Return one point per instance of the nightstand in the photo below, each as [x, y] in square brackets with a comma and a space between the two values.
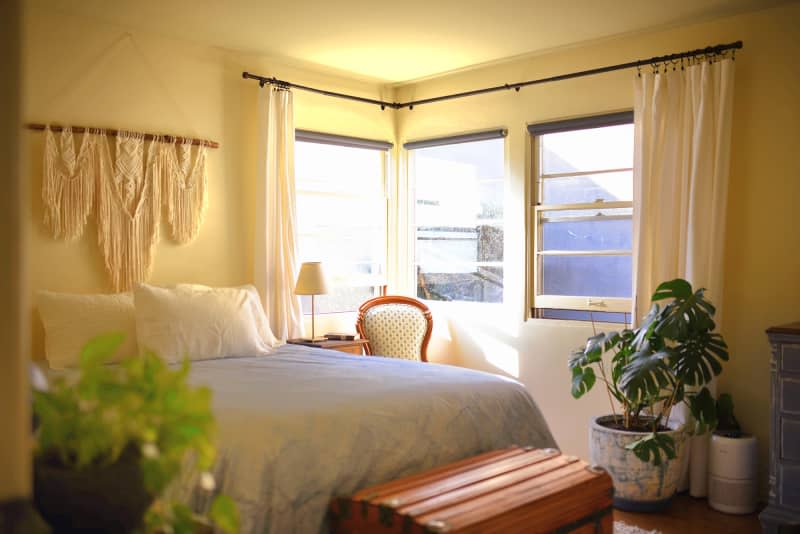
[354, 346]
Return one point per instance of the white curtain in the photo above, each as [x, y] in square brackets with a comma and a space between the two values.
[682, 151]
[275, 268]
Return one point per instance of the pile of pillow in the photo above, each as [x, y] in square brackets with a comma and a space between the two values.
[194, 321]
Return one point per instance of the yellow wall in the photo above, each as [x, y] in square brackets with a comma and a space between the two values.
[762, 267]
[87, 73]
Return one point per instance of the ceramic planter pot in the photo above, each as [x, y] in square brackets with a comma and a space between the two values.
[638, 486]
[109, 498]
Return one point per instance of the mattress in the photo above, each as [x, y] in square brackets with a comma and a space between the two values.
[304, 424]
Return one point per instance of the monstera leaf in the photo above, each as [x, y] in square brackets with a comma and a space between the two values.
[704, 410]
[646, 375]
[651, 448]
[697, 360]
[688, 313]
[583, 378]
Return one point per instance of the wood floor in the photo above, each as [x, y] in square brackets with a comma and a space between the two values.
[687, 515]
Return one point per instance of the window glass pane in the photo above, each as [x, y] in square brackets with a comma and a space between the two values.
[586, 315]
[340, 232]
[587, 276]
[340, 299]
[341, 220]
[332, 168]
[597, 234]
[459, 203]
[594, 149]
[577, 189]
[483, 284]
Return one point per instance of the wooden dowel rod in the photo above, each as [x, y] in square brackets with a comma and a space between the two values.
[147, 136]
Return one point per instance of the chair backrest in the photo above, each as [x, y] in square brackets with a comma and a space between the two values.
[395, 326]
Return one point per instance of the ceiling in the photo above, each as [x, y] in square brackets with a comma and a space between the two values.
[393, 42]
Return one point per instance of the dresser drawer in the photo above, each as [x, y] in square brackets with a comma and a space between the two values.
[789, 395]
[789, 488]
[790, 439]
[790, 358]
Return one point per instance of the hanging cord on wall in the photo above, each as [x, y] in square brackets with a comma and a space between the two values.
[84, 74]
[709, 53]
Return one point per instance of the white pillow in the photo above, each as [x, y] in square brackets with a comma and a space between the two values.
[262, 323]
[71, 320]
[197, 322]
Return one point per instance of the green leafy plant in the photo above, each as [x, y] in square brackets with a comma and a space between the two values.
[666, 361]
[139, 407]
[727, 425]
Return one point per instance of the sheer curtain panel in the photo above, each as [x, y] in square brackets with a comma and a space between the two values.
[275, 255]
[682, 120]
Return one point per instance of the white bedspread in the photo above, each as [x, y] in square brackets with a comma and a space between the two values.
[301, 425]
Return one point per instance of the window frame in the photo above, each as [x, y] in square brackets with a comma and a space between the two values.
[385, 149]
[538, 301]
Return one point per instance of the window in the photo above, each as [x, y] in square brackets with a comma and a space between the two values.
[341, 215]
[458, 217]
[582, 218]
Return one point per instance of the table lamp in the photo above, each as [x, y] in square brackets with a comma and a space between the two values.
[311, 281]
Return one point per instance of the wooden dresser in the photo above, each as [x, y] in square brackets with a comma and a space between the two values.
[783, 512]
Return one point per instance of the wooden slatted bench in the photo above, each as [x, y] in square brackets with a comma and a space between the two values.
[519, 489]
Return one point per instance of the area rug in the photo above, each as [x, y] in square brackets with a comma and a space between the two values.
[624, 528]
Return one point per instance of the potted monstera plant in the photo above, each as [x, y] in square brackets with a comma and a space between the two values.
[110, 440]
[647, 371]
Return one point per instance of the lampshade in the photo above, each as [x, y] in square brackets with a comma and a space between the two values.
[311, 280]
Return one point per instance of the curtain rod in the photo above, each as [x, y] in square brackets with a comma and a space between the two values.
[113, 133]
[700, 52]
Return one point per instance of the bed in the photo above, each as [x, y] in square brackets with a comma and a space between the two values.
[303, 424]
[296, 425]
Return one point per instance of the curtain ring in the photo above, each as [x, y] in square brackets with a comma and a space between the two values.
[639, 71]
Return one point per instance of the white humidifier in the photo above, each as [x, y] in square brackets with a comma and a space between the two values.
[733, 474]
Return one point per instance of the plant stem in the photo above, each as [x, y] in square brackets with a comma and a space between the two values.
[608, 390]
[671, 402]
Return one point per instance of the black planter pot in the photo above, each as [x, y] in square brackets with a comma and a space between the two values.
[109, 498]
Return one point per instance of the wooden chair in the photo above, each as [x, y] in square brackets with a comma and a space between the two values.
[395, 327]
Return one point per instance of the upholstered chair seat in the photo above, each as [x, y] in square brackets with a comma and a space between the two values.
[395, 327]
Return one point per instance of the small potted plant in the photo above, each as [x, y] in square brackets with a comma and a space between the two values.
[110, 441]
[666, 361]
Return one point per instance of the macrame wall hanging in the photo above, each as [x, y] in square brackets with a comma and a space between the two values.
[128, 209]
[125, 187]
[129, 182]
[69, 181]
[185, 189]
